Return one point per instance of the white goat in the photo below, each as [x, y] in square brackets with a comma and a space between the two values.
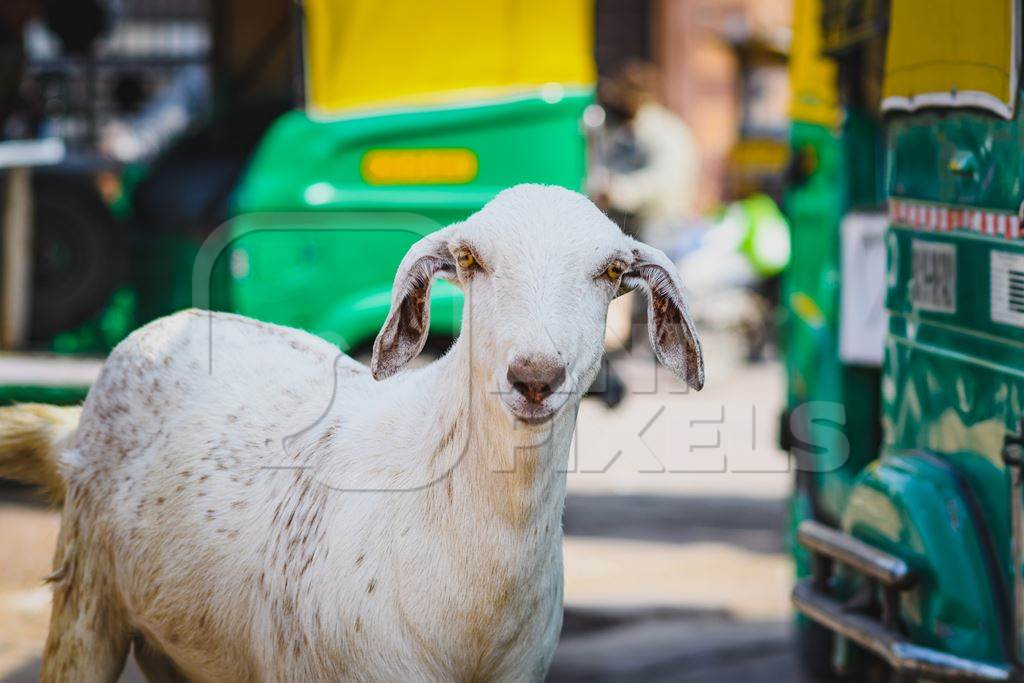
[246, 504]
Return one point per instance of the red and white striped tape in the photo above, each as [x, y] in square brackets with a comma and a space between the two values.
[947, 217]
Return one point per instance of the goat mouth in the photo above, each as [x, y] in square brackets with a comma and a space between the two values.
[534, 414]
[540, 419]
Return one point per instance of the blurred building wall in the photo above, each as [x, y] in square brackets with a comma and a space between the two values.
[622, 32]
[699, 70]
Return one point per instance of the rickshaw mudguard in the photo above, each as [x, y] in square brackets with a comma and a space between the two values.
[298, 269]
[923, 508]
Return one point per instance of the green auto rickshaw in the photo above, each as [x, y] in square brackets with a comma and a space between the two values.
[908, 552]
[416, 115]
[407, 116]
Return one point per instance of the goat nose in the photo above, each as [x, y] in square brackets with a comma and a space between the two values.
[535, 378]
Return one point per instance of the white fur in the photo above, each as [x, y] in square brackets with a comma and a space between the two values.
[250, 505]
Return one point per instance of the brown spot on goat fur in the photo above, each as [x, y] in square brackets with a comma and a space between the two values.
[370, 587]
[481, 633]
[359, 624]
[359, 560]
[504, 597]
[306, 565]
[329, 433]
[446, 440]
[410, 629]
[527, 467]
[518, 510]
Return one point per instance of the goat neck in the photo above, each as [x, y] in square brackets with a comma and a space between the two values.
[515, 471]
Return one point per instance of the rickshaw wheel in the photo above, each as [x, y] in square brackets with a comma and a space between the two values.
[79, 254]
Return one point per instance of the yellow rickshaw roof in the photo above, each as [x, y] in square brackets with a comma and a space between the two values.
[950, 53]
[368, 55]
[814, 97]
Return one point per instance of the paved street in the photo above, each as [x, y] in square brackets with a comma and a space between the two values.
[675, 565]
[675, 562]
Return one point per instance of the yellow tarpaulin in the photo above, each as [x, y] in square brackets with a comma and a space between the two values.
[952, 53]
[370, 55]
[812, 77]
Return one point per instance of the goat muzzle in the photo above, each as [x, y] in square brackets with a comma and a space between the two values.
[535, 378]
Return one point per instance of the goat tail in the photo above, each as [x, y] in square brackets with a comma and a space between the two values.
[33, 437]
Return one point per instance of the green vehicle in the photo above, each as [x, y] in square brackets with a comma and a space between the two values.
[413, 116]
[907, 512]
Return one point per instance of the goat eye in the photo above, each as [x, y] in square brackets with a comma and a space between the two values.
[465, 260]
[614, 270]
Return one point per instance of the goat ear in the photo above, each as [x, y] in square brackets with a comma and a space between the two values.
[405, 330]
[673, 336]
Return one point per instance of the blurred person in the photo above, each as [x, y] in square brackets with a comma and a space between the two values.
[732, 269]
[647, 160]
[643, 173]
[140, 136]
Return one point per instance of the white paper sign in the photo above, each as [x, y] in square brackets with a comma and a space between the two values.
[862, 319]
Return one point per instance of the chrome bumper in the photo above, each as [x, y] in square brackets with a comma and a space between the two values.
[892, 574]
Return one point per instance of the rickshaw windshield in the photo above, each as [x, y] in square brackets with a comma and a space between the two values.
[366, 55]
[948, 53]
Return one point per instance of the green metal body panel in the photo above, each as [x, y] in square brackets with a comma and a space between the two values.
[331, 272]
[952, 388]
[810, 294]
[922, 147]
[811, 283]
[30, 393]
[848, 176]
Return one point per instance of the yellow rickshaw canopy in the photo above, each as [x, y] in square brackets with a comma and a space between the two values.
[370, 55]
[951, 53]
[814, 97]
